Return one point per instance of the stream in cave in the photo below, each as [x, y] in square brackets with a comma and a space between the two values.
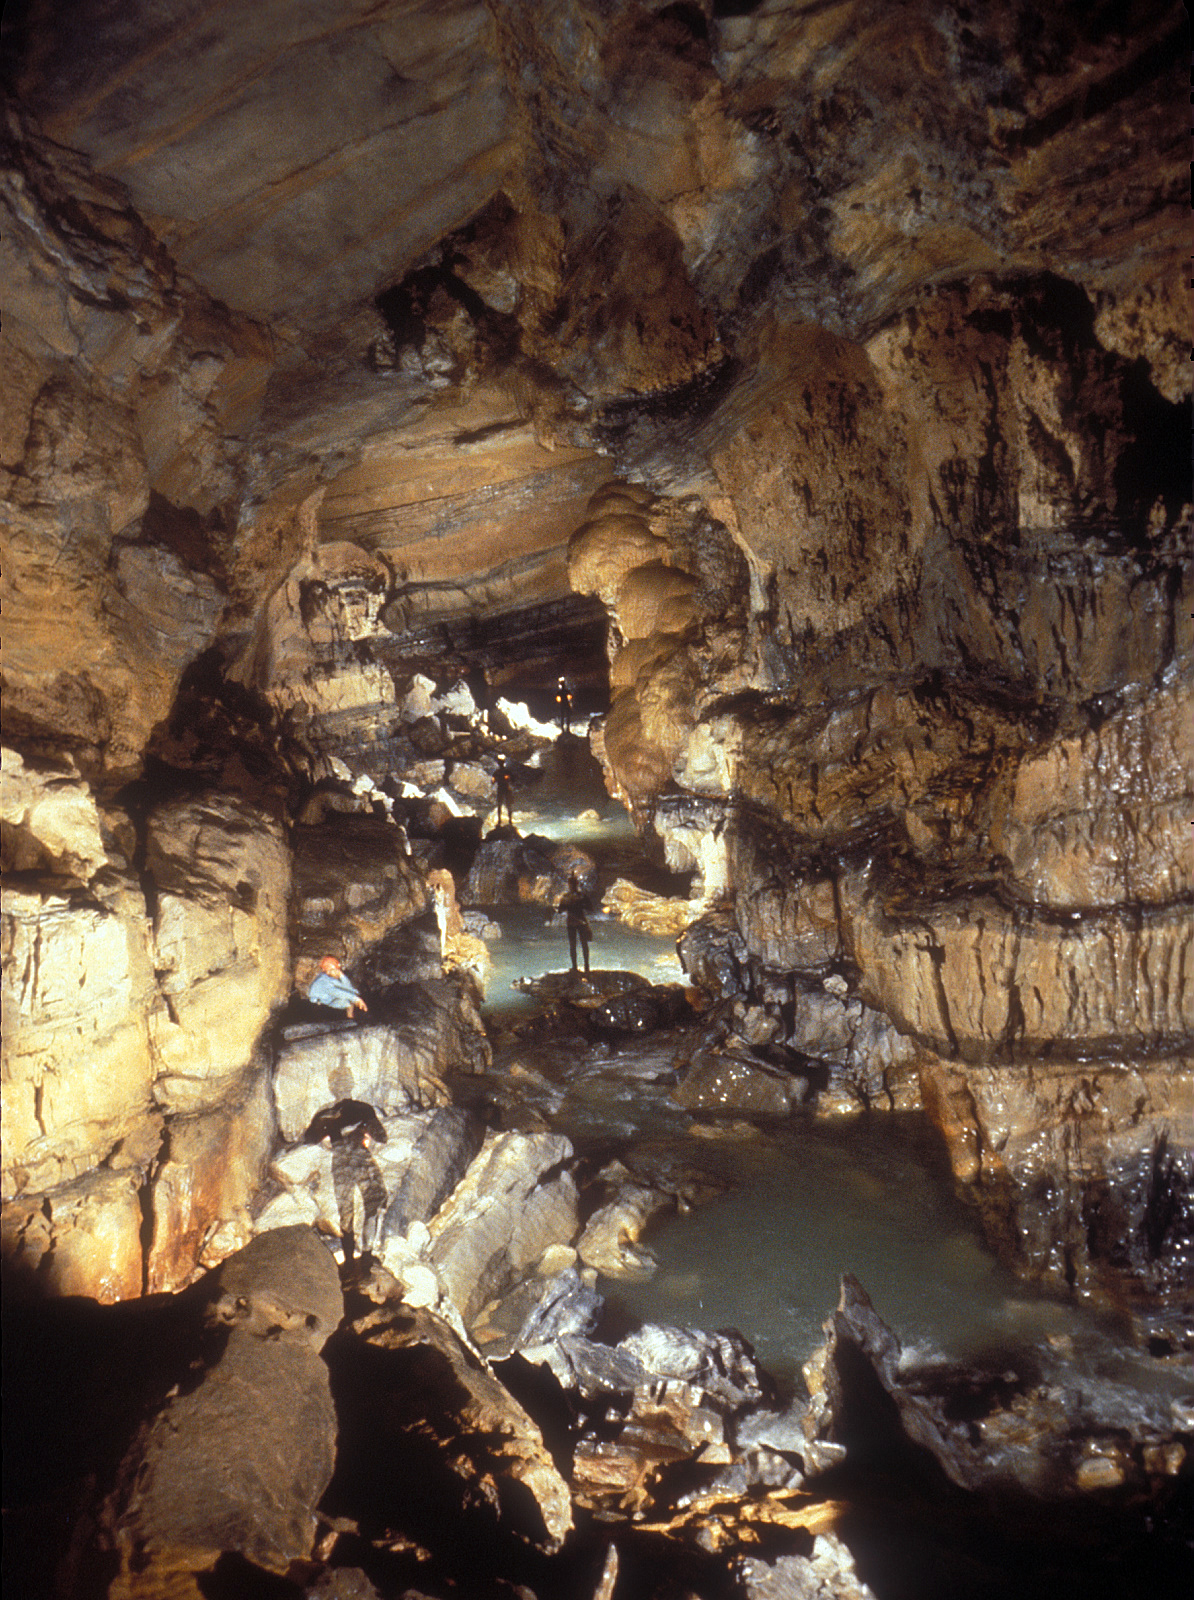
[805, 1199]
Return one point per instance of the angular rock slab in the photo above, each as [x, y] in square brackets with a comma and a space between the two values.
[512, 1204]
[240, 1461]
[418, 1383]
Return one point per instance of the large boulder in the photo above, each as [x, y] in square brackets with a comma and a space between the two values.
[239, 1461]
[1015, 1424]
[435, 1446]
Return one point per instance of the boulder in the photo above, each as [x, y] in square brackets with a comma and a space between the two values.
[539, 1310]
[713, 952]
[609, 1242]
[660, 1397]
[237, 1462]
[447, 1142]
[637, 1011]
[1019, 1423]
[510, 870]
[435, 1446]
[516, 1200]
[827, 1570]
[723, 1081]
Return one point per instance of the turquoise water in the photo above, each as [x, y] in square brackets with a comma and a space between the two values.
[807, 1199]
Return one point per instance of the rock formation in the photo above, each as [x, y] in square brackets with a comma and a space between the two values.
[814, 384]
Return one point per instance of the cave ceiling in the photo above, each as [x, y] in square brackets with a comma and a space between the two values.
[421, 278]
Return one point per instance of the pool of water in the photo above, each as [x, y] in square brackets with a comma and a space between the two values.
[805, 1199]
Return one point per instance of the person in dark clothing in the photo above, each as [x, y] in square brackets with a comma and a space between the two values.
[564, 705]
[575, 905]
[349, 1126]
[505, 791]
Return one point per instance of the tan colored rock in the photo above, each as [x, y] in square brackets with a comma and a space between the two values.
[1105, 817]
[204, 1186]
[502, 1216]
[788, 920]
[222, 875]
[391, 1067]
[79, 999]
[655, 599]
[1063, 1156]
[50, 822]
[81, 1239]
[609, 1242]
[840, 536]
[602, 552]
[649, 913]
[975, 977]
[352, 884]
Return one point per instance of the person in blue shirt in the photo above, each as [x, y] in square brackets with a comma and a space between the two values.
[332, 989]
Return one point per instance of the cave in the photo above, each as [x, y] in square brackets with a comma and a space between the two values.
[759, 435]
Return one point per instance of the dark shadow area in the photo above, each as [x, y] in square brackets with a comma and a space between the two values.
[79, 1379]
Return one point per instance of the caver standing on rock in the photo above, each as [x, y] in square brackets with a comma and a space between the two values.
[332, 989]
[349, 1126]
[564, 705]
[504, 785]
[575, 905]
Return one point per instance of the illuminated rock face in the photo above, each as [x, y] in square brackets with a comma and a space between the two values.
[830, 371]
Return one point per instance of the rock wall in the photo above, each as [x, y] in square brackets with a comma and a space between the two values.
[950, 758]
[838, 358]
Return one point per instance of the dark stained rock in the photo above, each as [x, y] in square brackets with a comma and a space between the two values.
[1015, 1424]
[511, 869]
[722, 1080]
[713, 952]
[638, 1011]
[435, 1446]
[238, 1461]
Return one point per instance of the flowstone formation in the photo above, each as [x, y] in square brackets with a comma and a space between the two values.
[812, 386]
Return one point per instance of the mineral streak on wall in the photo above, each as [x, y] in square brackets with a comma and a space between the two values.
[838, 357]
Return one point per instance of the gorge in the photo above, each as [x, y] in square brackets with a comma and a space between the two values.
[809, 384]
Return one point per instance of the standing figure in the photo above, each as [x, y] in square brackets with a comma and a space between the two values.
[574, 905]
[505, 791]
[564, 705]
[349, 1126]
[332, 989]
